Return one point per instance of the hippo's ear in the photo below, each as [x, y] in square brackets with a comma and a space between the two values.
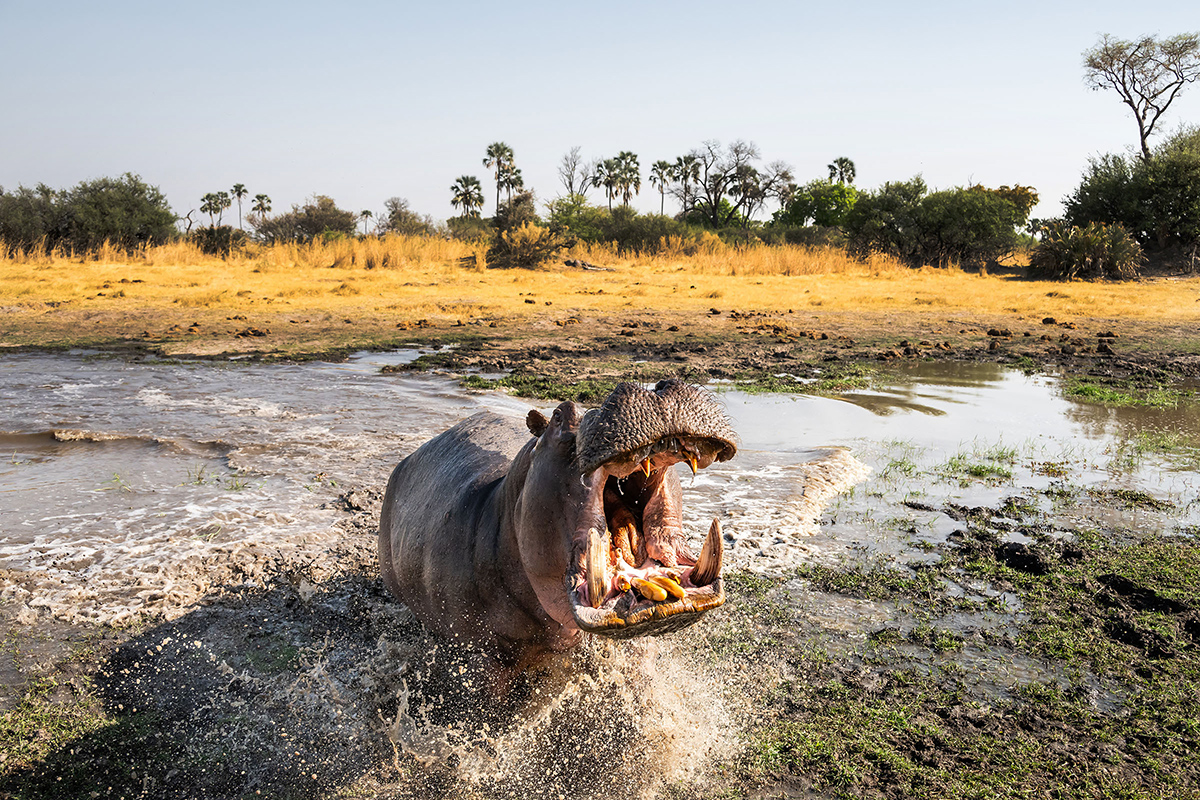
[537, 422]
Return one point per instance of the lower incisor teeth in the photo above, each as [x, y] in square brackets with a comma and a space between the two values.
[671, 587]
[649, 590]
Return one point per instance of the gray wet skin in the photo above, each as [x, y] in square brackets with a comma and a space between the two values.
[515, 544]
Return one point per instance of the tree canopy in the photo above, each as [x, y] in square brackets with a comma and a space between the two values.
[1147, 74]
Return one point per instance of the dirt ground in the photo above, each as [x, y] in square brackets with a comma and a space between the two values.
[568, 346]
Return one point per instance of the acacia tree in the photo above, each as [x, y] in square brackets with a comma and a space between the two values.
[467, 195]
[1147, 74]
[660, 178]
[499, 157]
[238, 192]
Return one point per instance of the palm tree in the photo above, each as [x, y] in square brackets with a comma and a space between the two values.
[841, 170]
[500, 157]
[686, 171]
[214, 204]
[607, 175]
[468, 195]
[629, 176]
[365, 215]
[239, 191]
[511, 179]
[262, 205]
[660, 176]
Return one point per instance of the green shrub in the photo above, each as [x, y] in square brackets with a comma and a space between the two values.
[219, 241]
[1095, 250]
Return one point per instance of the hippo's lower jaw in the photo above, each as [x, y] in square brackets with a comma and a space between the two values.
[630, 572]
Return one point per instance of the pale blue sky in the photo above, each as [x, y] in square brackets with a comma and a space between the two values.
[363, 101]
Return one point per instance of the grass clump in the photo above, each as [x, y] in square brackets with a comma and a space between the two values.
[587, 391]
[1123, 396]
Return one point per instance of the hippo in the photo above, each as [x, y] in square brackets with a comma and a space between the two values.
[517, 539]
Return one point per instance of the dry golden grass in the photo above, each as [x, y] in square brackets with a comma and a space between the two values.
[414, 277]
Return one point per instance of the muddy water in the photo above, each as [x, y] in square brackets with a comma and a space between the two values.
[133, 486]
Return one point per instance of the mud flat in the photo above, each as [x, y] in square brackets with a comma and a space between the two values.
[963, 581]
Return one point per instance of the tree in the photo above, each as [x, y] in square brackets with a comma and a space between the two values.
[123, 211]
[1146, 74]
[841, 170]
[499, 156]
[629, 176]
[719, 172]
[607, 175]
[686, 173]
[320, 216]
[32, 218]
[262, 204]
[660, 177]
[467, 195]
[969, 226]
[365, 215]
[400, 218]
[575, 173]
[1157, 201]
[214, 204]
[510, 179]
[239, 191]
[819, 202]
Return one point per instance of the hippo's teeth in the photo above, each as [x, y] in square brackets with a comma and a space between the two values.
[708, 565]
[692, 461]
[649, 590]
[669, 586]
[597, 575]
[646, 467]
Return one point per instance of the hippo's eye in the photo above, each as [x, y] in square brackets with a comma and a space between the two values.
[556, 417]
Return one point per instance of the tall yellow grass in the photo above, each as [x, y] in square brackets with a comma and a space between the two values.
[412, 277]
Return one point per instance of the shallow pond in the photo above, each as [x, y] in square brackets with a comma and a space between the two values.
[123, 482]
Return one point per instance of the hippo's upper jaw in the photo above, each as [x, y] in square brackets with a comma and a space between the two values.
[630, 572]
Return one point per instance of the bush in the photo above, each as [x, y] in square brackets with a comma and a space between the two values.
[125, 212]
[219, 241]
[528, 246]
[318, 217]
[516, 213]
[823, 203]
[1092, 251]
[401, 219]
[469, 229]
[1157, 201]
[970, 227]
[806, 235]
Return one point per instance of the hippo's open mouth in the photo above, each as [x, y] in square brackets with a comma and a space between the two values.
[631, 572]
